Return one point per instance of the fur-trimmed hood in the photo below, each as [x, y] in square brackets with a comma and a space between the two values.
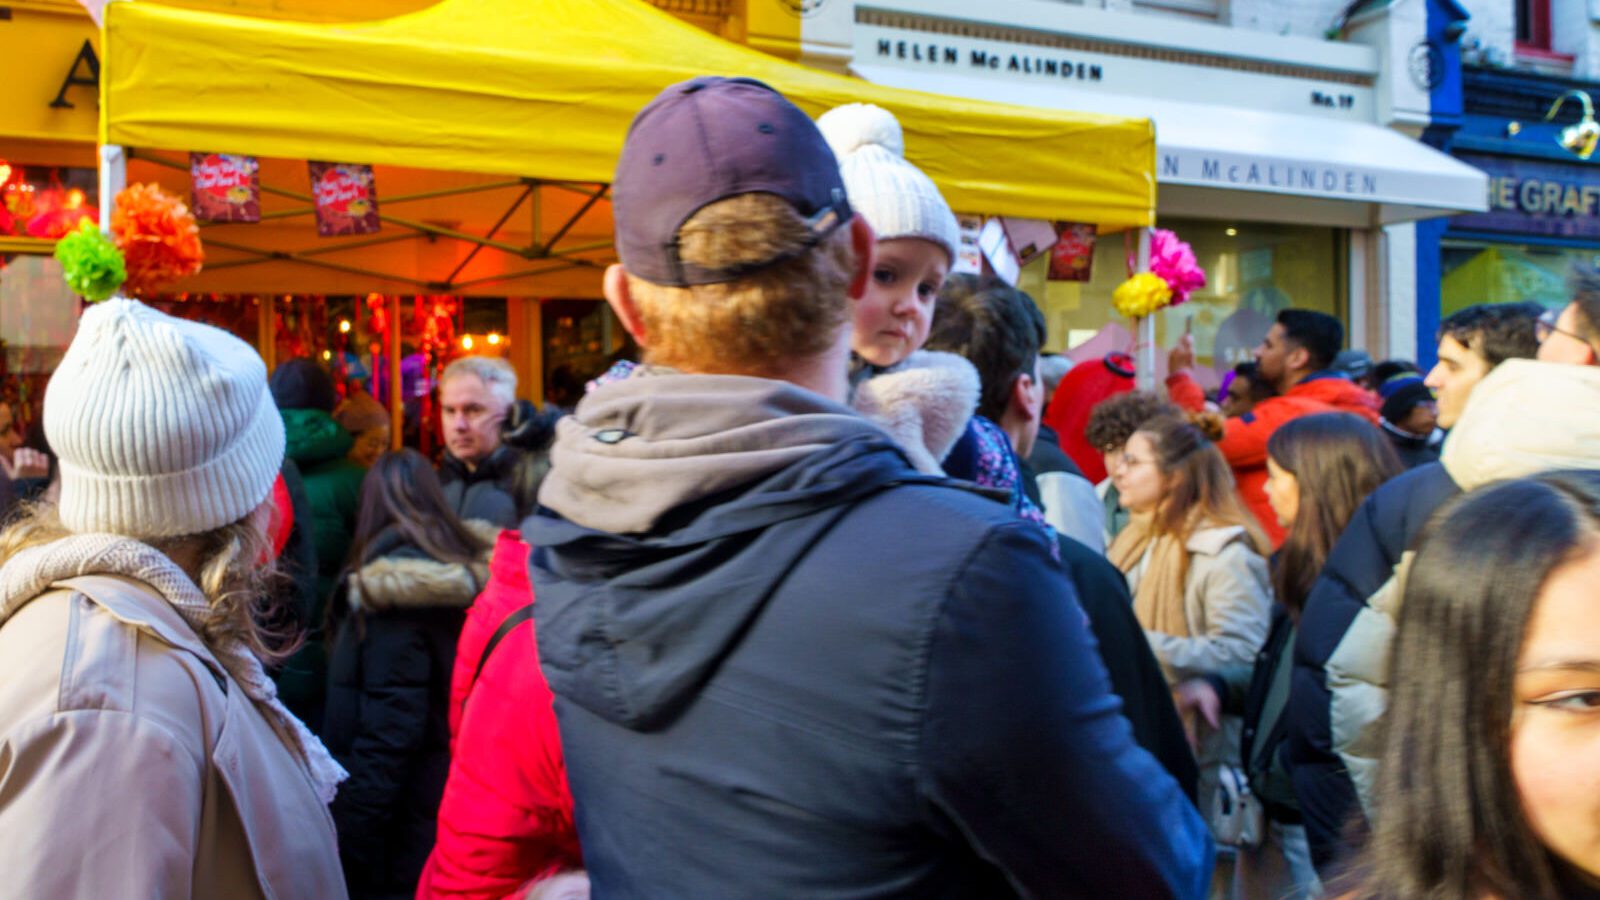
[924, 403]
[404, 578]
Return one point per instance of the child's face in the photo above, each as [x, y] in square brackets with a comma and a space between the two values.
[893, 317]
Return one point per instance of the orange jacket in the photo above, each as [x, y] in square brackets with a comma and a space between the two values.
[1244, 440]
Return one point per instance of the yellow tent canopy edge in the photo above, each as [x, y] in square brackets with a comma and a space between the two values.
[546, 89]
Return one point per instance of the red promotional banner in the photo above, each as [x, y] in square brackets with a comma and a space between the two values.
[226, 188]
[347, 198]
[1072, 258]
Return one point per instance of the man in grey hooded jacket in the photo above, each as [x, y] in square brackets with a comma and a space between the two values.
[785, 662]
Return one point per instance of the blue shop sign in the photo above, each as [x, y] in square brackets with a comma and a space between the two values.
[1536, 197]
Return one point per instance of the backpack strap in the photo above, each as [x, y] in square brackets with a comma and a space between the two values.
[507, 625]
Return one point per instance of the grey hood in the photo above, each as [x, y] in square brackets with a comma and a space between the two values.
[675, 507]
[639, 448]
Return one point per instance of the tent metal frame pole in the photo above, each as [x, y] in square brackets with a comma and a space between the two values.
[281, 256]
[1145, 352]
[512, 276]
[268, 255]
[582, 211]
[533, 194]
[396, 403]
[450, 279]
[113, 178]
[422, 227]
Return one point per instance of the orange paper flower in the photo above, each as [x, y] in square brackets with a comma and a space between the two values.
[158, 236]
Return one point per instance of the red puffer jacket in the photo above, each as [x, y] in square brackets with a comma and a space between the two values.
[1244, 442]
[506, 817]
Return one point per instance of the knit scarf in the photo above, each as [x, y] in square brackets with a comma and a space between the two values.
[31, 572]
[1158, 601]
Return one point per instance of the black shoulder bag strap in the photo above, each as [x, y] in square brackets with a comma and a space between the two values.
[507, 625]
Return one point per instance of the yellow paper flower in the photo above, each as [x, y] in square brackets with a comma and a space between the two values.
[1141, 295]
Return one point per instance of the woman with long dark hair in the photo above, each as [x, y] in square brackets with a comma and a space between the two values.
[1320, 468]
[1489, 785]
[1193, 556]
[414, 569]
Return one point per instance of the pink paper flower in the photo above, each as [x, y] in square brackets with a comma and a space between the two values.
[1174, 261]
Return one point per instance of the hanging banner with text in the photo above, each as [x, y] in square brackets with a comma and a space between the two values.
[347, 198]
[1072, 258]
[225, 187]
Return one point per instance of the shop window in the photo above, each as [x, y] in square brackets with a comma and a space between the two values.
[38, 317]
[1253, 271]
[1492, 272]
[1533, 25]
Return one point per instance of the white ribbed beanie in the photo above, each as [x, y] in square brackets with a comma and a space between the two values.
[163, 427]
[898, 200]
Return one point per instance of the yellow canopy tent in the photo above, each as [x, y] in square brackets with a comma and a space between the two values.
[450, 100]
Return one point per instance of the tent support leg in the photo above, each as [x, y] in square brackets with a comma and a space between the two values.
[1145, 341]
[397, 419]
[113, 178]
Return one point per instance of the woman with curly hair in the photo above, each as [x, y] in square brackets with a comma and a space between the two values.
[143, 750]
[1110, 425]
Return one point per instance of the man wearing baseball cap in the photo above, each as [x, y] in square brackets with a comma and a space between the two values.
[785, 663]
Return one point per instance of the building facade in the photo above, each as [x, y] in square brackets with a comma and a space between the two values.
[1543, 215]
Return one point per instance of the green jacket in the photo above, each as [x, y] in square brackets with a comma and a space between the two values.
[318, 445]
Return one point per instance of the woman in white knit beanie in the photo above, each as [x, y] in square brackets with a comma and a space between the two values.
[143, 751]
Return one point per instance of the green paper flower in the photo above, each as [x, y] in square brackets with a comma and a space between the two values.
[91, 263]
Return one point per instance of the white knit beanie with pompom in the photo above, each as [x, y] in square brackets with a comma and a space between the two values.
[164, 427]
[896, 198]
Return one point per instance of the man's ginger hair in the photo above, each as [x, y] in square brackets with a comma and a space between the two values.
[789, 310]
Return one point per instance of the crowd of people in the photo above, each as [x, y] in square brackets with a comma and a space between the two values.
[844, 588]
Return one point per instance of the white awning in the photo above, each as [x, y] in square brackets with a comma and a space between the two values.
[1347, 166]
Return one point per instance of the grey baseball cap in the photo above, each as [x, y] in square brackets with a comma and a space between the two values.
[706, 140]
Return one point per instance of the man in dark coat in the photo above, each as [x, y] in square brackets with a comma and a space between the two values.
[1472, 343]
[999, 329]
[479, 470]
[785, 663]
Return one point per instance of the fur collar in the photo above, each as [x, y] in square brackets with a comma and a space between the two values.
[403, 578]
[924, 403]
[405, 582]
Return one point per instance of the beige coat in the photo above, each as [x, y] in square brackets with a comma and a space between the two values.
[132, 765]
[1227, 600]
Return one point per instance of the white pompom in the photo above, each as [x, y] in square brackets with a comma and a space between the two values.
[853, 126]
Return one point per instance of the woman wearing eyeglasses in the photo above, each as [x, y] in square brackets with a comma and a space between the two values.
[1194, 559]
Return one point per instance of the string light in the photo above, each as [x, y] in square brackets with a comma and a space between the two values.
[5, 172]
[466, 342]
[494, 338]
[344, 326]
[327, 355]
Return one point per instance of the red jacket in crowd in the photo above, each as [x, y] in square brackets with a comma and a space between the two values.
[506, 818]
[1244, 443]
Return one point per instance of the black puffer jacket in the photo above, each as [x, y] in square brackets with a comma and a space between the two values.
[1320, 726]
[388, 706]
